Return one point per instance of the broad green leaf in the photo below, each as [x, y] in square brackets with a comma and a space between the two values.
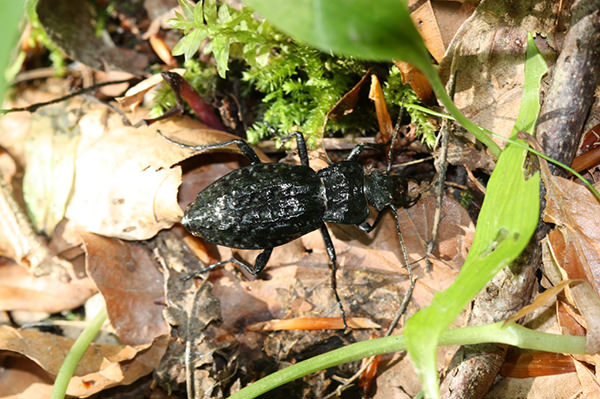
[50, 151]
[381, 30]
[10, 17]
[507, 221]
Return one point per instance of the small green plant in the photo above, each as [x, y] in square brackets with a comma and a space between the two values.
[298, 84]
[399, 94]
[39, 37]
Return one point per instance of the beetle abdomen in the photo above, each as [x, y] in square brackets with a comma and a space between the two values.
[258, 206]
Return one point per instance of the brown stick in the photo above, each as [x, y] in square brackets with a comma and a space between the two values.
[576, 76]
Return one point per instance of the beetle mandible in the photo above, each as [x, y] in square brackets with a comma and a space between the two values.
[264, 205]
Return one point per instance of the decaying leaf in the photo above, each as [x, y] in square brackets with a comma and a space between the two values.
[134, 96]
[488, 53]
[51, 150]
[386, 128]
[131, 285]
[102, 366]
[80, 41]
[20, 290]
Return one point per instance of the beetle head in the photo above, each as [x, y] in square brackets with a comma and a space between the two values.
[383, 190]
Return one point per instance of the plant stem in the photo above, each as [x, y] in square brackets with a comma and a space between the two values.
[512, 334]
[75, 354]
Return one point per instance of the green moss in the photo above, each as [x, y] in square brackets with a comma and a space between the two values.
[298, 84]
[398, 94]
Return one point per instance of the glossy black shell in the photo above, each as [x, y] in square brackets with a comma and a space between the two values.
[258, 206]
[345, 200]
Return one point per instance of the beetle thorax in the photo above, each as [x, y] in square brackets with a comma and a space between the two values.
[383, 190]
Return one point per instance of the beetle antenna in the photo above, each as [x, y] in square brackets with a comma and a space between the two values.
[411, 277]
[388, 169]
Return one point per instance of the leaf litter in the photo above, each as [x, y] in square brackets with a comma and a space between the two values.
[132, 180]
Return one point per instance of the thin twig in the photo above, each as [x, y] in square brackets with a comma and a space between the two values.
[36, 106]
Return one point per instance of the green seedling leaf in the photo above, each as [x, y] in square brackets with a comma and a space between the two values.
[507, 221]
[364, 29]
[50, 151]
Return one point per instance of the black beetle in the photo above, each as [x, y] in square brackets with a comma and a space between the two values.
[265, 205]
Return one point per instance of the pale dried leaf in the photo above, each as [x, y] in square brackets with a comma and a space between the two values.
[488, 53]
[426, 23]
[101, 367]
[126, 185]
[590, 385]
[50, 171]
[20, 290]
[540, 302]
[134, 96]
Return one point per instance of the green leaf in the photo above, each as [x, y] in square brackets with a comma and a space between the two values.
[188, 9]
[507, 220]
[220, 48]
[11, 13]
[189, 44]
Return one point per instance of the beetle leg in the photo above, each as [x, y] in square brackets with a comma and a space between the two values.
[366, 227]
[301, 144]
[331, 252]
[242, 145]
[259, 264]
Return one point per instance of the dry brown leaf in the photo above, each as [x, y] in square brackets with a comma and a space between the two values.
[570, 206]
[590, 385]
[386, 128]
[133, 288]
[525, 363]
[20, 378]
[20, 290]
[101, 367]
[346, 104]
[541, 301]
[80, 40]
[134, 96]
[426, 23]
[162, 50]
[415, 78]
[488, 53]
[450, 15]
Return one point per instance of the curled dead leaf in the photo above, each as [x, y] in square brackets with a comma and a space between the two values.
[102, 366]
